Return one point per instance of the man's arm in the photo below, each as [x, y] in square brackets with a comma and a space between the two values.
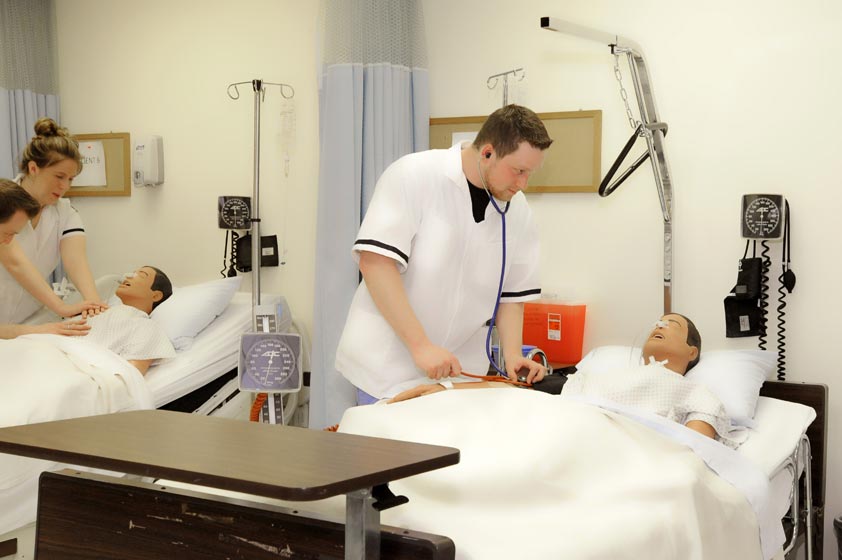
[386, 288]
[510, 329]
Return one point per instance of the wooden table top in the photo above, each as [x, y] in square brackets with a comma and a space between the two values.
[281, 462]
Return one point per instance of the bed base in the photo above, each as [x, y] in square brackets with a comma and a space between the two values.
[805, 523]
[83, 515]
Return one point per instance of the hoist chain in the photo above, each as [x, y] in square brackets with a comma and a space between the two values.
[623, 93]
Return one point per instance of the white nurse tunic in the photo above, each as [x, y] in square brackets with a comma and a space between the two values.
[41, 245]
[421, 216]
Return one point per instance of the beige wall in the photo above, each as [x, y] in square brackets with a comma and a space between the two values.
[752, 100]
[162, 67]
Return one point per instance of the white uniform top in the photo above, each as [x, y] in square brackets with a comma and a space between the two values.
[130, 333]
[41, 246]
[421, 216]
[658, 390]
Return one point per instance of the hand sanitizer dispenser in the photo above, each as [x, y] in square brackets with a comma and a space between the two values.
[148, 162]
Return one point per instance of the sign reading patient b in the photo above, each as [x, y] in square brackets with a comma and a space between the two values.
[93, 165]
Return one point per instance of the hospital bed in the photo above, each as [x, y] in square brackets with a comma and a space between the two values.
[201, 378]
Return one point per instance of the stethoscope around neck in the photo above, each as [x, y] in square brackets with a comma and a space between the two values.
[502, 213]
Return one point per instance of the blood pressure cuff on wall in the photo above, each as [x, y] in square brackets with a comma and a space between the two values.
[743, 317]
[748, 278]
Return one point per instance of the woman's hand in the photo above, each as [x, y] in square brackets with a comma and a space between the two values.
[69, 328]
[85, 309]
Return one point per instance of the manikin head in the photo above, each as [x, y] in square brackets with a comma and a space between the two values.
[675, 338]
[145, 289]
[17, 207]
[50, 162]
[511, 146]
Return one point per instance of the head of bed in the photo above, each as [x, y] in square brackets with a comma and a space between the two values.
[815, 396]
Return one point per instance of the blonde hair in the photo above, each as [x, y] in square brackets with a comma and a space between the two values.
[50, 145]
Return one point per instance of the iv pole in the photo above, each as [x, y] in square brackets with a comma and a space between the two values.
[650, 128]
[505, 75]
[259, 96]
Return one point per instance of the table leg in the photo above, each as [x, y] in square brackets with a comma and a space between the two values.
[362, 526]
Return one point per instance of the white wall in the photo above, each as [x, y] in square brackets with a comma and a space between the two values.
[162, 67]
[751, 94]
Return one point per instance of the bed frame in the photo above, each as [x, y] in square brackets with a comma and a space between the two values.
[812, 498]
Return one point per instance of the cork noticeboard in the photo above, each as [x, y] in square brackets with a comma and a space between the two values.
[573, 162]
[114, 179]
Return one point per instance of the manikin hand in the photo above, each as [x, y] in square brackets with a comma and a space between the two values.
[418, 391]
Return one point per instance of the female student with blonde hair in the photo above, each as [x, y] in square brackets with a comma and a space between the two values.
[49, 164]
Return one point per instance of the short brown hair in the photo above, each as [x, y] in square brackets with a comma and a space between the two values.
[13, 198]
[507, 127]
[50, 145]
[694, 338]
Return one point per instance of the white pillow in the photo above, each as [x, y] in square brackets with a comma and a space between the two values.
[190, 309]
[734, 376]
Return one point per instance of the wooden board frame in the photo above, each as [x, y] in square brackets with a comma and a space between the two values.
[574, 161]
[118, 163]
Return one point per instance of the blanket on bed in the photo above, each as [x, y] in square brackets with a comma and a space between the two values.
[543, 478]
[45, 378]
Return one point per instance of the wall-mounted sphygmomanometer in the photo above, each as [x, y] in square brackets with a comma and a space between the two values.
[234, 213]
[764, 218]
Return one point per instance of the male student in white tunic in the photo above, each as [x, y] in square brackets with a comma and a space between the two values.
[430, 253]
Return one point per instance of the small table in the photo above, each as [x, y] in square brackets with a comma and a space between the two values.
[280, 462]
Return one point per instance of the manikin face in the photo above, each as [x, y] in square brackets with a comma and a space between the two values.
[48, 184]
[507, 176]
[668, 340]
[11, 227]
[138, 288]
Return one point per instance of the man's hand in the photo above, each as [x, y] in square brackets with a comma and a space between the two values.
[70, 328]
[437, 362]
[84, 308]
[536, 371]
[418, 391]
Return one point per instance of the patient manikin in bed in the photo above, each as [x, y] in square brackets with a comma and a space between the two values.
[127, 329]
[672, 348]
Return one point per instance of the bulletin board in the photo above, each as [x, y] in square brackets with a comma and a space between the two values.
[117, 156]
[572, 164]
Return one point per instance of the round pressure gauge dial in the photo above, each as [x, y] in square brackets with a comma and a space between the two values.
[762, 217]
[270, 362]
[234, 212]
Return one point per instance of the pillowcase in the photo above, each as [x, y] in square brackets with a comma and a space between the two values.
[734, 376]
[192, 308]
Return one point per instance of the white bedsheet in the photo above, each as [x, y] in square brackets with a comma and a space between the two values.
[543, 478]
[47, 377]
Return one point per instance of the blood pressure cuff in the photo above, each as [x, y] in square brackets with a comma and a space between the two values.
[551, 384]
[743, 317]
[749, 275]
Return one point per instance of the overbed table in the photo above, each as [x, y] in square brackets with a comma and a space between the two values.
[274, 461]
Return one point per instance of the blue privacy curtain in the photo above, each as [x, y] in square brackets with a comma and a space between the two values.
[27, 75]
[374, 108]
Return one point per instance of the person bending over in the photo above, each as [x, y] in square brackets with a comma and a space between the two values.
[127, 329]
[49, 163]
[17, 207]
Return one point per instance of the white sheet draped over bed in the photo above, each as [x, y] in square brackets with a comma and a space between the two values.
[47, 377]
[543, 478]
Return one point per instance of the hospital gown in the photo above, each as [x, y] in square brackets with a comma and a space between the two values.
[130, 333]
[658, 390]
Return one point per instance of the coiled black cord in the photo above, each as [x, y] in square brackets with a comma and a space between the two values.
[764, 295]
[781, 327]
[225, 255]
